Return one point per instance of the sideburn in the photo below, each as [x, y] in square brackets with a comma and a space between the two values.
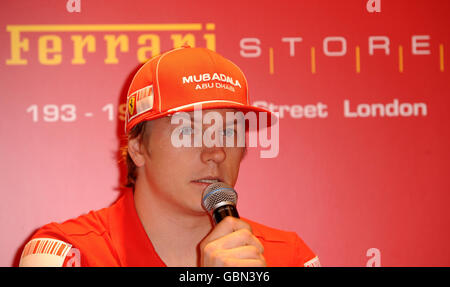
[145, 137]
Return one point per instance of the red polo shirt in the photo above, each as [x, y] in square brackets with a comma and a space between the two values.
[114, 236]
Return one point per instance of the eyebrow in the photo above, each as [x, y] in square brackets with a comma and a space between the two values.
[194, 120]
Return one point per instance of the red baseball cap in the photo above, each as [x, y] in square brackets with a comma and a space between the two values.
[183, 79]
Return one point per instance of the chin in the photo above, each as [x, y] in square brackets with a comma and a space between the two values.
[198, 210]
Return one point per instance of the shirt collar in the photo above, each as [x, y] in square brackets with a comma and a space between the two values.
[130, 240]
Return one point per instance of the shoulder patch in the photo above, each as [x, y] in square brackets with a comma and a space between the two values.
[44, 252]
[313, 262]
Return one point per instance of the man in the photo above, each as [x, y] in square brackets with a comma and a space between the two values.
[161, 222]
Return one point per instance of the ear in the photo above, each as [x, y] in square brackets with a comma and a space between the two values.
[136, 152]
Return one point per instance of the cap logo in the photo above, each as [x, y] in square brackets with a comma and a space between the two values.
[208, 77]
[140, 102]
[131, 105]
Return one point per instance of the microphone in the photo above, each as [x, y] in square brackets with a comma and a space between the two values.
[220, 199]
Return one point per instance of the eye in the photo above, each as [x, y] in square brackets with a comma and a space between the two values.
[229, 132]
[187, 131]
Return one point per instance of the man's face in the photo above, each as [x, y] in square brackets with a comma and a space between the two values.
[177, 176]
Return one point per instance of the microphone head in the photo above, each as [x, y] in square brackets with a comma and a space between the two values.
[218, 194]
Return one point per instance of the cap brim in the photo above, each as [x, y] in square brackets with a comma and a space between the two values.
[264, 118]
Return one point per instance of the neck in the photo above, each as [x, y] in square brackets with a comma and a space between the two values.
[175, 235]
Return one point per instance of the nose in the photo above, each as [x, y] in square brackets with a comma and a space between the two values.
[213, 154]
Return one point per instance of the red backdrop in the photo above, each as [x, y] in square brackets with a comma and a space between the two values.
[362, 170]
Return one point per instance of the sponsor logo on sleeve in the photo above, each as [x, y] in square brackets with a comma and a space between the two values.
[313, 262]
[44, 252]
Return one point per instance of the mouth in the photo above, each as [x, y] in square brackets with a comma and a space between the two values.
[206, 181]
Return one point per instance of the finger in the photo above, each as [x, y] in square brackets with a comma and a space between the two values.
[234, 262]
[239, 238]
[243, 252]
[228, 225]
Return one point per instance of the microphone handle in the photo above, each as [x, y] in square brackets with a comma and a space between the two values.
[224, 211]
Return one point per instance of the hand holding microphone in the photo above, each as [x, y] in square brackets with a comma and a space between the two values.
[231, 242]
